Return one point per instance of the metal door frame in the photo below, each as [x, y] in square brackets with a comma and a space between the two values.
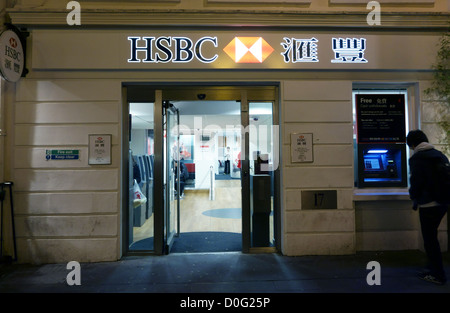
[168, 237]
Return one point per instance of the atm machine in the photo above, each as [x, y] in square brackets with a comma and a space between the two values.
[381, 140]
[382, 165]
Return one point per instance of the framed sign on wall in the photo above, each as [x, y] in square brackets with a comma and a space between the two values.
[99, 149]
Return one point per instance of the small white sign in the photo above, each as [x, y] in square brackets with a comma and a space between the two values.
[99, 149]
[302, 148]
[12, 58]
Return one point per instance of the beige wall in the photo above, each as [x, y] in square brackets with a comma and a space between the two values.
[328, 115]
[66, 210]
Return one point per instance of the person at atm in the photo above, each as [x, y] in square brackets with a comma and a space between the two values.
[136, 172]
[431, 211]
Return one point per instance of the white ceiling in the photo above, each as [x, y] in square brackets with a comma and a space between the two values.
[218, 113]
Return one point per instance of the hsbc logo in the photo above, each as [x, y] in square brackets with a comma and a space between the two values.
[248, 49]
[13, 42]
[166, 49]
[244, 50]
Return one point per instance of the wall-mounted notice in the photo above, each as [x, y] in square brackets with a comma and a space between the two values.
[302, 148]
[380, 118]
[62, 154]
[99, 149]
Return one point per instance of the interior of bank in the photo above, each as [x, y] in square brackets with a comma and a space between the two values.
[203, 140]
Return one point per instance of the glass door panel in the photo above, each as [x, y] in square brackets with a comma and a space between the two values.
[172, 152]
[262, 163]
[141, 174]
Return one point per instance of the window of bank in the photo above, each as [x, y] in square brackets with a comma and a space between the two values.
[141, 154]
[380, 124]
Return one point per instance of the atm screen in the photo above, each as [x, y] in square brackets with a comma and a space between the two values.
[382, 165]
[373, 164]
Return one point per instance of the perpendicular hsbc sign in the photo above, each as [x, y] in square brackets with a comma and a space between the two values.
[12, 57]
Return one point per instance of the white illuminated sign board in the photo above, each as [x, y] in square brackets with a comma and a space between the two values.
[11, 56]
[250, 50]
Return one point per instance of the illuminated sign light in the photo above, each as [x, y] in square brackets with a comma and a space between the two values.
[179, 49]
[349, 50]
[248, 49]
[12, 61]
[377, 151]
[299, 50]
[170, 49]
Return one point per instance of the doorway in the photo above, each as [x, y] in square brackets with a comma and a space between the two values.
[209, 141]
[209, 156]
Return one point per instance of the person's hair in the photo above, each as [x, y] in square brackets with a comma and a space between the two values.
[415, 137]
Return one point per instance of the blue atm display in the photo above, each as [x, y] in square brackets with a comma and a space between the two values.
[382, 166]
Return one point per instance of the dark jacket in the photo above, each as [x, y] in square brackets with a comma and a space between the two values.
[136, 173]
[421, 173]
[184, 174]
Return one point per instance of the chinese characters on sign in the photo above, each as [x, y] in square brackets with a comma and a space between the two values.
[380, 118]
[12, 56]
[301, 148]
[99, 149]
[346, 50]
[300, 50]
[349, 50]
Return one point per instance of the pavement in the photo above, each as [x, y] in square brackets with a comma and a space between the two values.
[230, 273]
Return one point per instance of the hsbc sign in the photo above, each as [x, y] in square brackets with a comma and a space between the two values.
[170, 49]
[11, 56]
[243, 50]
[183, 49]
[222, 49]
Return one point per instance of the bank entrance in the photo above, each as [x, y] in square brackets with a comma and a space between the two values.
[202, 169]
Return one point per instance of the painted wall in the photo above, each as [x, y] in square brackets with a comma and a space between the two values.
[328, 115]
[66, 210]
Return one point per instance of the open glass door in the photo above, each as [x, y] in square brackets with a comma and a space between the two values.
[263, 156]
[172, 172]
[256, 153]
[259, 162]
